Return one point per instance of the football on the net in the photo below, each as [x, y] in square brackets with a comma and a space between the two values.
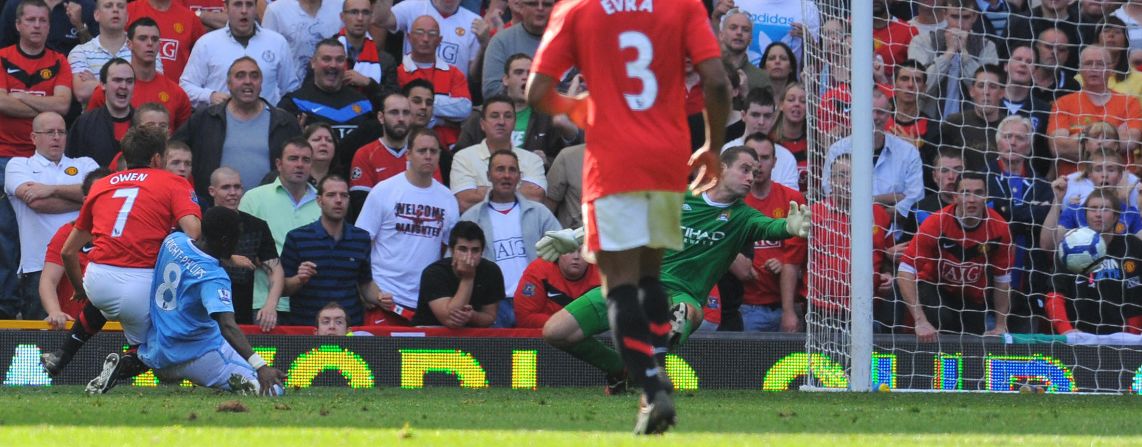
[1081, 247]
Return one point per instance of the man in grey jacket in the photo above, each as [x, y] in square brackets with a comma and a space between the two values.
[244, 132]
[512, 225]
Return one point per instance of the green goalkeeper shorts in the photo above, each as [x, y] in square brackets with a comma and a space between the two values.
[590, 310]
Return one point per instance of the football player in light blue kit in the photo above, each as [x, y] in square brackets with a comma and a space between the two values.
[193, 334]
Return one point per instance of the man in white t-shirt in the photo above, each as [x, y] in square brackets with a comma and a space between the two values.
[303, 30]
[512, 225]
[759, 117]
[788, 21]
[45, 192]
[462, 32]
[408, 217]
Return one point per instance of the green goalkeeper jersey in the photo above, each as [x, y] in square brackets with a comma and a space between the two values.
[712, 236]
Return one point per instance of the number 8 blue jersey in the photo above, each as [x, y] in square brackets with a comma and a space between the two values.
[188, 286]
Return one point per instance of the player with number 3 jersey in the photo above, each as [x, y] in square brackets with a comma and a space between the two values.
[632, 55]
[125, 216]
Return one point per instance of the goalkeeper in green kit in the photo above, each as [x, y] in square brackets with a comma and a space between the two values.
[715, 227]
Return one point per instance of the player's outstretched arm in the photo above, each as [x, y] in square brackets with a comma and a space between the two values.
[557, 243]
[267, 376]
[542, 95]
[191, 226]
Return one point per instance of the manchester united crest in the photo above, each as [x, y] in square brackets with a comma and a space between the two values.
[178, 28]
[46, 73]
[71, 170]
[460, 31]
[164, 96]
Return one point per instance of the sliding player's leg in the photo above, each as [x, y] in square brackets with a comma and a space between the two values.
[89, 323]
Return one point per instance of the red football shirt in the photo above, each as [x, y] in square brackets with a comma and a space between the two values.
[766, 290]
[162, 90]
[179, 28]
[891, 43]
[375, 162]
[64, 290]
[961, 260]
[829, 281]
[30, 75]
[632, 56]
[130, 212]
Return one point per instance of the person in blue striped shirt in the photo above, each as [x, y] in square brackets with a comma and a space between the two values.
[328, 260]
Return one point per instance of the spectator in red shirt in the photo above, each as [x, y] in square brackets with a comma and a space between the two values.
[150, 84]
[829, 282]
[546, 287]
[453, 100]
[771, 279]
[958, 256]
[891, 35]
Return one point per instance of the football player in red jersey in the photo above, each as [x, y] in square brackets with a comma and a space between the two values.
[125, 217]
[635, 161]
[957, 256]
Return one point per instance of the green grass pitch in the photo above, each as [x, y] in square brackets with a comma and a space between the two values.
[63, 416]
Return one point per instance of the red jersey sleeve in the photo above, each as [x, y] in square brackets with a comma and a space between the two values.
[531, 298]
[700, 41]
[64, 71]
[360, 172]
[459, 88]
[83, 221]
[179, 106]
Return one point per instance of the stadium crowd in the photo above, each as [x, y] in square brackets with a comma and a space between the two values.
[384, 157]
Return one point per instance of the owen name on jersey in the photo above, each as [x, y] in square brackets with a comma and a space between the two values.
[128, 177]
[613, 6]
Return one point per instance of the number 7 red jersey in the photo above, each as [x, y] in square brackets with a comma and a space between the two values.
[632, 55]
[130, 212]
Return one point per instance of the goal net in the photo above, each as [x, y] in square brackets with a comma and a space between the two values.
[986, 116]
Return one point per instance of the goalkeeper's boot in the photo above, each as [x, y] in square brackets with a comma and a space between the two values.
[243, 385]
[54, 362]
[108, 378]
[656, 415]
[617, 384]
[678, 316]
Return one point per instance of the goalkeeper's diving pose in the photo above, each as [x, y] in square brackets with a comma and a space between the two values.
[715, 227]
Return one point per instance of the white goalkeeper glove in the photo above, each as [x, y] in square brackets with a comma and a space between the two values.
[797, 221]
[557, 243]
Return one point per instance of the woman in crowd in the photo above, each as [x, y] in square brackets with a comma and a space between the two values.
[779, 62]
[320, 138]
